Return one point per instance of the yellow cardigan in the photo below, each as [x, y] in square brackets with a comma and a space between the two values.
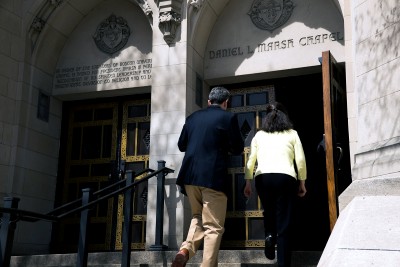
[276, 153]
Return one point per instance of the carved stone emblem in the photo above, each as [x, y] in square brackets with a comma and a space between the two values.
[112, 34]
[270, 14]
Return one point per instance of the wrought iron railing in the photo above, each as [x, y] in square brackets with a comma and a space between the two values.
[11, 215]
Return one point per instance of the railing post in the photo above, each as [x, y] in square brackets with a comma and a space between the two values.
[8, 225]
[82, 245]
[127, 229]
[158, 246]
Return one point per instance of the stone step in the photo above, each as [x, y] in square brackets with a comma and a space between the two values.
[227, 258]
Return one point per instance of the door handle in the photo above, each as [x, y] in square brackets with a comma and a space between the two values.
[340, 156]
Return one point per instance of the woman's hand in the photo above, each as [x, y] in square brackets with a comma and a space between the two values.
[247, 189]
[302, 189]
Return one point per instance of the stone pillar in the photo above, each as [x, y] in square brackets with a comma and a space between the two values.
[168, 113]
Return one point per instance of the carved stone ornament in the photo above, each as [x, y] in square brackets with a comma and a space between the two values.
[38, 24]
[270, 14]
[39, 21]
[169, 22]
[196, 3]
[145, 7]
[112, 34]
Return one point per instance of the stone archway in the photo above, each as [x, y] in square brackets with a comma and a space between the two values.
[204, 16]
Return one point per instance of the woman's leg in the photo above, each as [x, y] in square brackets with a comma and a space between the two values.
[266, 192]
[285, 202]
[276, 192]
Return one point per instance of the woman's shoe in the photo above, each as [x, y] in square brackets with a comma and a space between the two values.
[181, 258]
[269, 249]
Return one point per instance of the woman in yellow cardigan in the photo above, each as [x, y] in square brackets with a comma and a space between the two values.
[280, 175]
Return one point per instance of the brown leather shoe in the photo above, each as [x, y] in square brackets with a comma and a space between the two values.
[181, 258]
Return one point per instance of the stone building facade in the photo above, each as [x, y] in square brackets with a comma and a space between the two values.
[140, 67]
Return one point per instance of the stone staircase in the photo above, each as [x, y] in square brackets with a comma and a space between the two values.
[227, 258]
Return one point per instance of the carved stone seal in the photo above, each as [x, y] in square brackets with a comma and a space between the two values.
[112, 34]
[270, 14]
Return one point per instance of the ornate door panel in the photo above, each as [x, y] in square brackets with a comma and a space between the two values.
[135, 148]
[97, 137]
[244, 224]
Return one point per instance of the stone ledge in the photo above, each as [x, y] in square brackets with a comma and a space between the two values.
[384, 186]
[367, 233]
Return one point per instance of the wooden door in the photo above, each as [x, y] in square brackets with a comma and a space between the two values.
[335, 132]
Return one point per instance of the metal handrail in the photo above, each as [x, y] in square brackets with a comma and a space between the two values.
[117, 192]
[30, 216]
[11, 215]
[79, 200]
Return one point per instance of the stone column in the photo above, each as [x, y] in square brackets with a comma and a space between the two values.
[168, 113]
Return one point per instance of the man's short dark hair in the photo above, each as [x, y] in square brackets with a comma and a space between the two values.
[218, 95]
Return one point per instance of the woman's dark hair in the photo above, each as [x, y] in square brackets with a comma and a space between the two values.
[277, 119]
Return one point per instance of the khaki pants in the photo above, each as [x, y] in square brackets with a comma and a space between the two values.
[208, 219]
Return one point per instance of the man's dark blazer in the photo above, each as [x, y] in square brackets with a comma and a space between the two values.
[206, 138]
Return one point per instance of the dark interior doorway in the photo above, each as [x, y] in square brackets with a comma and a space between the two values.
[302, 95]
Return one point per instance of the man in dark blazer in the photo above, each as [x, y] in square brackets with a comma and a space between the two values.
[207, 138]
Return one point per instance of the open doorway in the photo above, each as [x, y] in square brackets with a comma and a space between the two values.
[303, 97]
